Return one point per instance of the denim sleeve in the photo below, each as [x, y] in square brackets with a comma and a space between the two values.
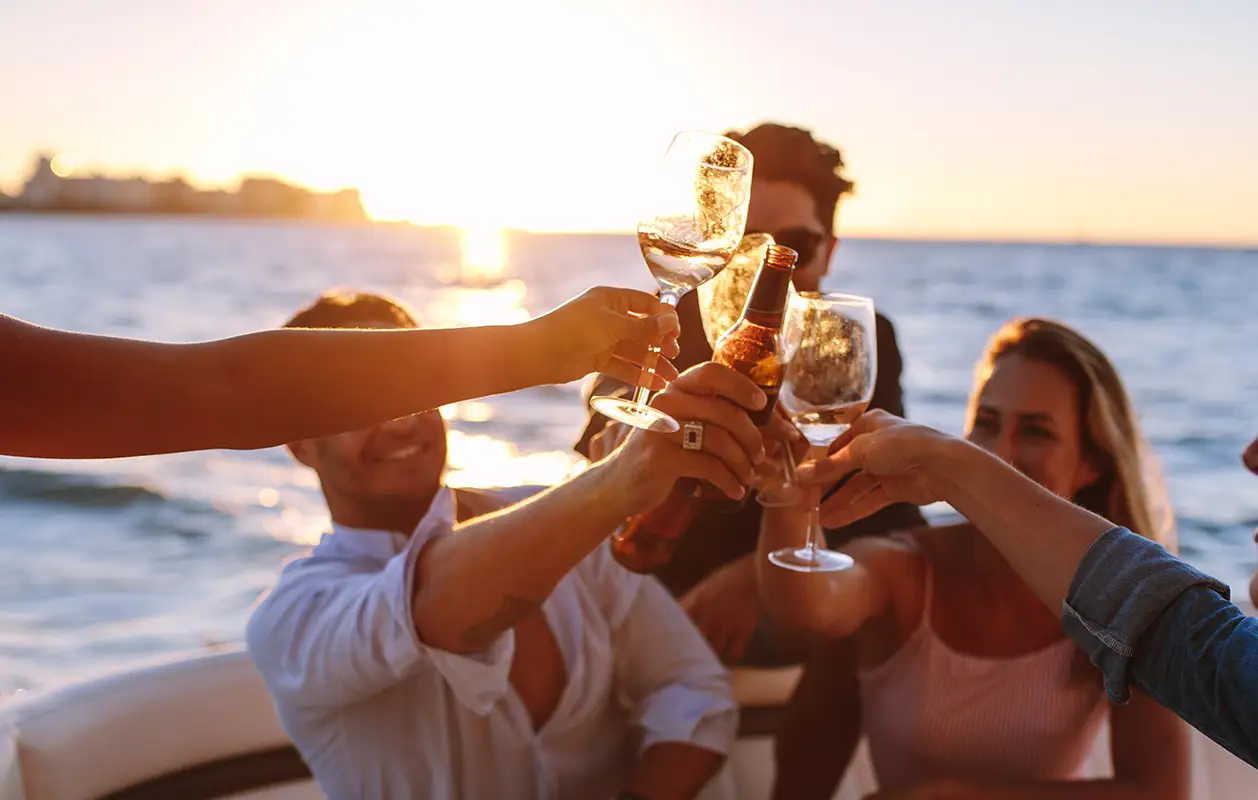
[1146, 618]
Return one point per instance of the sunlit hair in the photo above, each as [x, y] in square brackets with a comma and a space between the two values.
[784, 153]
[1128, 492]
[343, 308]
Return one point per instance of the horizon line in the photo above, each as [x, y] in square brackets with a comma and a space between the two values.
[870, 236]
[968, 238]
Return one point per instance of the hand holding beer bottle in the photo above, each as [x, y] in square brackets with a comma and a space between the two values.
[646, 541]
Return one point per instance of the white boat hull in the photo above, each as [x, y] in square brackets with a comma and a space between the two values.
[204, 727]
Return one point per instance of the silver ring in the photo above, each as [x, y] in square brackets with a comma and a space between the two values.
[692, 436]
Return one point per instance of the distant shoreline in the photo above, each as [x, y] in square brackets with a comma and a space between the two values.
[368, 222]
[155, 214]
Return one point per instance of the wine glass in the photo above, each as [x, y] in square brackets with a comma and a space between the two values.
[697, 219]
[722, 298]
[830, 352]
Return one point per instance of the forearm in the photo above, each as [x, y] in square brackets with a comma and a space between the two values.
[1042, 536]
[488, 574]
[673, 770]
[820, 726]
[829, 603]
[793, 599]
[81, 396]
[1143, 616]
[378, 375]
[1197, 659]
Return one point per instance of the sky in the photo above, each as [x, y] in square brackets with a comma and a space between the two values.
[1049, 120]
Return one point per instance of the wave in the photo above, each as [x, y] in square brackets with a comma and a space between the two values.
[69, 489]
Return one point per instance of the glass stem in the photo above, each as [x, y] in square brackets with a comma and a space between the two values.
[643, 393]
[789, 466]
[813, 542]
[814, 532]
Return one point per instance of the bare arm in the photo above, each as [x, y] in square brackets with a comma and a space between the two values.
[834, 604]
[1145, 618]
[821, 725]
[72, 395]
[493, 571]
[481, 580]
[676, 691]
[1041, 535]
[673, 771]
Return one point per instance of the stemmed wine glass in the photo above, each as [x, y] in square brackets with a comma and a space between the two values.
[722, 298]
[829, 349]
[697, 221]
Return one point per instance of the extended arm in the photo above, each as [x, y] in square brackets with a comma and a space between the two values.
[490, 573]
[331, 634]
[1145, 617]
[73, 395]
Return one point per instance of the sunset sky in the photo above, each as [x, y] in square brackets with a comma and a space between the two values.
[1072, 120]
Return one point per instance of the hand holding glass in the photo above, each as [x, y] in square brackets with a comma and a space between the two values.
[829, 348]
[697, 221]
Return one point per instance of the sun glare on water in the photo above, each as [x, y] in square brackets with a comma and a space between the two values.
[487, 461]
[484, 254]
[477, 290]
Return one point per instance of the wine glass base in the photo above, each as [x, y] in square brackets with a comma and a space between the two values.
[634, 414]
[802, 559]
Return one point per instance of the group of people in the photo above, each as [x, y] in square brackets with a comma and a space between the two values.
[446, 642]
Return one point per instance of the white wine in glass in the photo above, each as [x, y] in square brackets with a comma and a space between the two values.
[722, 298]
[829, 348]
[697, 219]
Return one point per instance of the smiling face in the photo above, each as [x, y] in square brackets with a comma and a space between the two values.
[383, 477]
[1027, 414]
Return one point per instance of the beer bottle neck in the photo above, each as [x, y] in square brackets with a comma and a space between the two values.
[766, 304]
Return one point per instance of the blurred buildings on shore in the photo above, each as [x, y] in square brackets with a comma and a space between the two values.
[52, 186]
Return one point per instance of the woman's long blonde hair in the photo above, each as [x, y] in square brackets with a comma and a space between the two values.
[1128, 493]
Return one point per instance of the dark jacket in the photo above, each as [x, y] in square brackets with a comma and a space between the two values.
[714, 539]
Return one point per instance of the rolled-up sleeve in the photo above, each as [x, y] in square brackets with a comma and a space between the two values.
[1121, 587]
[672, 682]
[334, 631]
[1146, 618]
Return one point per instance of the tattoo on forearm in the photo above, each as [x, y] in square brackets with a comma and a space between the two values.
[513, 609]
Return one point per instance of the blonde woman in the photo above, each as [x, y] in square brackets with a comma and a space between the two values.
[969, 688]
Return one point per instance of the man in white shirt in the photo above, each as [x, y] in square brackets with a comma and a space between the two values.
[436, 646]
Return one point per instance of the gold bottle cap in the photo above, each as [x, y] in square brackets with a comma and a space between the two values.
[781, 257]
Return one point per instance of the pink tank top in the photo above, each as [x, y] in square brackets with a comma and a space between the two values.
[930, 712]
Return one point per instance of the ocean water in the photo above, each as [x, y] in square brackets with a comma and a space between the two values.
[106, 564]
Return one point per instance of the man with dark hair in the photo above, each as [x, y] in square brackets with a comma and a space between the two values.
[796, 187]
[440, 644]
[351, 309]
